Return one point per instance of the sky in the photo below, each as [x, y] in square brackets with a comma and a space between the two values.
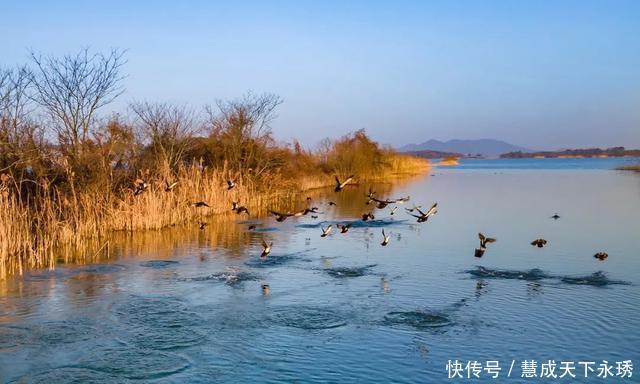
[541, 74]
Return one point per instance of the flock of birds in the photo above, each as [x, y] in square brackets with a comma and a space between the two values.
[141, 186]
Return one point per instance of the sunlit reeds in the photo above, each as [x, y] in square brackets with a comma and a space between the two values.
[77, 224]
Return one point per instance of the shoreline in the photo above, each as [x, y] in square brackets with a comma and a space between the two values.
[95, 216]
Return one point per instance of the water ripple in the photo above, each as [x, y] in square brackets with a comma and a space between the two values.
[158, 263]
[341, 272]
[530, 275]
[596, 279]
[307, 317]
[419, 319]
[70, 375]
[135, 363]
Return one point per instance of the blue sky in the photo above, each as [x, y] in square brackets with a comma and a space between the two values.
[542, 74]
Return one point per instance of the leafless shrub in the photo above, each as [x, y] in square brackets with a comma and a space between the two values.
[72, 88]
[169, 130]
[242, 130]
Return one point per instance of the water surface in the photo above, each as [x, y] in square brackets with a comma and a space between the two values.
[185, 305]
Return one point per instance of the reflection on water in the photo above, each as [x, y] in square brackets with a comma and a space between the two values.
[191, 305]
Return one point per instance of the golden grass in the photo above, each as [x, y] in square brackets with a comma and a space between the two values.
[77, 226]
[634, 168]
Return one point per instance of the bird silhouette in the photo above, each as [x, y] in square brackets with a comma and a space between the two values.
[539, 243]
[238, 209]
[385, 238]
[168, 187]
[368, 216]
[340, 185]
[601, 256]
[140, 186]
[280, 217]
[422, 217]
[326, 231]
[266, 248]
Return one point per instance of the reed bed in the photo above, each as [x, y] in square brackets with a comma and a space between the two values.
[67, 178]
[633, 168]
[76, 226]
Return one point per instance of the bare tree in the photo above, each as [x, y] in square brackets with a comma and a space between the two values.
[20, 136]
[14, 98]
[169, 129]
[73, 88]
[243, 129]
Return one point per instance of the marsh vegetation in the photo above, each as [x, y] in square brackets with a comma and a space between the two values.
[71, 173]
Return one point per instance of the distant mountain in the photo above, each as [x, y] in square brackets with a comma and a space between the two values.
[485, 147]
[429, 154]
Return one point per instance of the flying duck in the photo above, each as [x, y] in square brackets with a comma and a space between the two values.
[403, 200]
[203, 224]
[326, 231]
[385, 238]
[485, 240]
[140, 186]
[555, 216]
[368, 216]
[169, 187]
[199, 204]
[331, 203]
[422, 217]
[413, 209]
[483, 244]
[539, 243]
[601, 256]
[230, 184]
[238, 208]
[344, 228]
[392, 210]
[266, 248]
[381, 204]
[341, 185]
[306, 211]
[251, 227]
[280, 217]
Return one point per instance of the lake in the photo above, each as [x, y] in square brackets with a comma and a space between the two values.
[187, 305]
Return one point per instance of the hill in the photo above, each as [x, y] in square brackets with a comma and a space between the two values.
[484, 147]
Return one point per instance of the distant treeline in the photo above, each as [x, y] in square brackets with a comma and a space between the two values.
[430, 154]
[587, 152]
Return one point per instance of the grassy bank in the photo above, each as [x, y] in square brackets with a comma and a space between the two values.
[633, 168]
[69, 179]
[31, 232]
